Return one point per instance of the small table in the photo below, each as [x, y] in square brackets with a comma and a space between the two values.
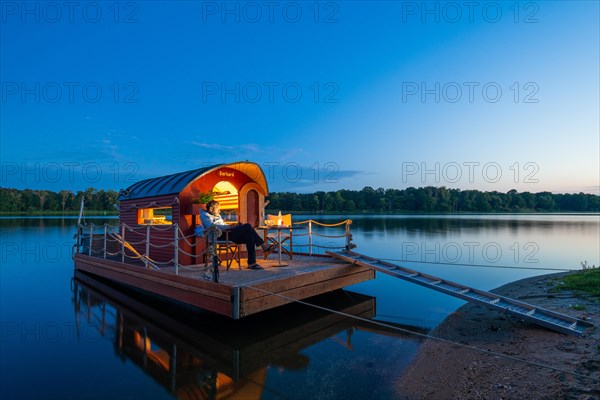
[277, 241]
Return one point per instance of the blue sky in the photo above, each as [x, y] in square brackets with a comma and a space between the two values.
[324, 95]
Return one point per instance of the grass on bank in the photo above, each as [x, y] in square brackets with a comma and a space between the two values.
[587, 280]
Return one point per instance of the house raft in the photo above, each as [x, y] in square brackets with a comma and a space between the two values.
[154, 248]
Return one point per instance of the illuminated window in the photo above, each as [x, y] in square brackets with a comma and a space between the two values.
[227, 196]
[155, 216]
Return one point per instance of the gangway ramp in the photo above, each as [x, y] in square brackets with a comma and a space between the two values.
[540, 316]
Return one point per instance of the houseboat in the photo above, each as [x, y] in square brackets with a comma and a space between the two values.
[154, 247]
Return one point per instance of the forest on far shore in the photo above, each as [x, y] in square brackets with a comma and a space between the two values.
[367, 200]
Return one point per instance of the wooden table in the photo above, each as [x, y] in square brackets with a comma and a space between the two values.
[277, 240]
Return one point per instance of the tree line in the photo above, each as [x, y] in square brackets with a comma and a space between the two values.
[424, 199]
[432, 199]
[64, 201]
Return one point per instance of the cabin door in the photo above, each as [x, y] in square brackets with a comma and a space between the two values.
[252, 212]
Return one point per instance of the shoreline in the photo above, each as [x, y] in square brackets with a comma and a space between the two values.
[445, 371]
[101, 214]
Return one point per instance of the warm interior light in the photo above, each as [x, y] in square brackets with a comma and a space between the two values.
[227, 196]
[160, 216]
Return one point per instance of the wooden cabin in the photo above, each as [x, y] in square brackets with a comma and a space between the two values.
[239, 187]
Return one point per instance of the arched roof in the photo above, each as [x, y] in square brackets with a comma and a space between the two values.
[175, 183]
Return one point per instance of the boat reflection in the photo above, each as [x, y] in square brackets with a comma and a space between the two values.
[200, 355]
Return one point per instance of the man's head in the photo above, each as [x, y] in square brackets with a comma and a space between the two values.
[213, 207]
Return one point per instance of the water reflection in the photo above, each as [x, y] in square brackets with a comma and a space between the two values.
[197, 355]
[436, 225]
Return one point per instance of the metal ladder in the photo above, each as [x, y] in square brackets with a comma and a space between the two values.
[540, 316]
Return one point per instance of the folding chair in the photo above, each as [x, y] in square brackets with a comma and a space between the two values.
[231, 249]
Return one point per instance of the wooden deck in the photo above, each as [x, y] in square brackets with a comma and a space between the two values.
[239, 293]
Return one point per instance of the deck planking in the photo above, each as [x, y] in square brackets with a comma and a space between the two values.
[239, 292]
[271, 270]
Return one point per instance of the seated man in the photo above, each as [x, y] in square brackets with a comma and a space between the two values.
[240, 234]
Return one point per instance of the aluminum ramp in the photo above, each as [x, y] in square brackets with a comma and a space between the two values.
[540, 316]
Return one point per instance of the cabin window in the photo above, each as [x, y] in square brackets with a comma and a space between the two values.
[227, 196]
[155, 216]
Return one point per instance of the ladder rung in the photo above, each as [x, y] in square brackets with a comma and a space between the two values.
[573, 326]
[495, 301]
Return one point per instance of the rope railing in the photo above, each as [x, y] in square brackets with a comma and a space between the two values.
[321, 246]
[158, 246]
[94, 243]
[329, 236]
[310, 222]
[102, 241]
[182, 236]
[344, 222]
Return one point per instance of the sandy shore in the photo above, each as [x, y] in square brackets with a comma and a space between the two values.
[446, 371]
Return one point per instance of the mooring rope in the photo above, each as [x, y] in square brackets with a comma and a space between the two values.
[427, 336]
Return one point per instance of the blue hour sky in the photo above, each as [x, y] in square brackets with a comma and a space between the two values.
[323, 95]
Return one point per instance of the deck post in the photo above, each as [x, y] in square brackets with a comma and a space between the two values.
[348, 236]
[105, 233]
[91, 238]
[236, 302]
[310, 246]
[176, 249]
[123, 243]
[79, 228]
[215, 259]
[147, 254]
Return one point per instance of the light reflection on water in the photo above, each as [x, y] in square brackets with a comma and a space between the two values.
[53, 348]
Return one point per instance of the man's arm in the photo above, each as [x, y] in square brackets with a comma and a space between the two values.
[209, 220]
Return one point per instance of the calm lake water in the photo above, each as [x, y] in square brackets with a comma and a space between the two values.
[84, 339]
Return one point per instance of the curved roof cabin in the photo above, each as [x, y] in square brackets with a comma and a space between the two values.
[240, 187]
